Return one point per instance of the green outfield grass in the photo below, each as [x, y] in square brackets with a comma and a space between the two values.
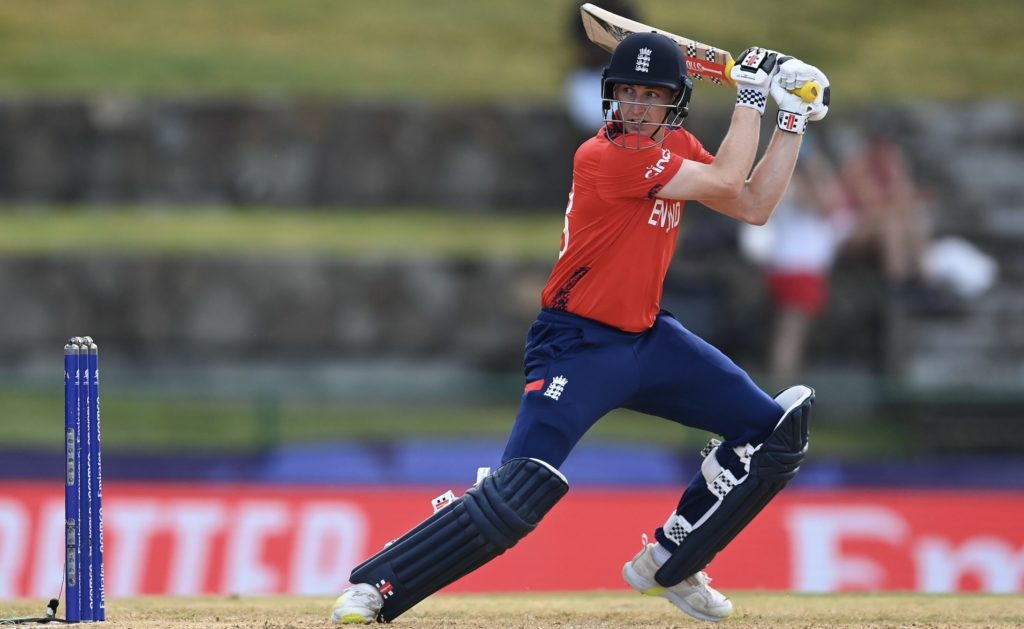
[874, 51]
[381, 233]
[594, 610]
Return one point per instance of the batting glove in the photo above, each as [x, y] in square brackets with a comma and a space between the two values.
[753, 76]
[819, 108]
[794, 111]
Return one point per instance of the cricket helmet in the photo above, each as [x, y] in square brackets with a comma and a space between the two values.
[648, 59]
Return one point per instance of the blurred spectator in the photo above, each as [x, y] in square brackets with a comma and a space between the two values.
[796, 249]
[890, 210]
[810, 224]
[582, 84]
[926, 275]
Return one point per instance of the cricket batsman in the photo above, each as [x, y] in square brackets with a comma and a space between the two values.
[601, 342]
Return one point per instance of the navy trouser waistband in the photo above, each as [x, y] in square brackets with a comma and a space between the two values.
[562, 317]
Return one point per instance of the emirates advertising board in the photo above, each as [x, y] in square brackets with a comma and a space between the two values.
[165, 539]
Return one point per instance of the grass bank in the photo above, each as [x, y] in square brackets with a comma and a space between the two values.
[874, 51]
[382, 233]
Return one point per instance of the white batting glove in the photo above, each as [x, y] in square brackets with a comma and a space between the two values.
[794, 111]
[753, 76]
[819, 108]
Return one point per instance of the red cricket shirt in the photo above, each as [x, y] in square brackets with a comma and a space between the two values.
[619, 236]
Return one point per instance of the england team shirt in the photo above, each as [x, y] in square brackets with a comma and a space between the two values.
[619, 237]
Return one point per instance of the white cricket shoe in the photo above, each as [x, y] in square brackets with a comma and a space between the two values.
[359, 604]
[693, 595]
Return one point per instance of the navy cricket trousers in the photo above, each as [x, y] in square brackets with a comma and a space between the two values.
[577, 370]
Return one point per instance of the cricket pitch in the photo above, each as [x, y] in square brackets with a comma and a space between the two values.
[611, 610]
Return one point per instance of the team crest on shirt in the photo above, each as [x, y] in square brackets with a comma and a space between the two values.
[658, 167]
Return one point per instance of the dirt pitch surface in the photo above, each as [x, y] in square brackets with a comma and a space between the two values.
[570, 611]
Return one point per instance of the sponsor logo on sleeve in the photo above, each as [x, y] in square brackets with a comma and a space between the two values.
[658, 167]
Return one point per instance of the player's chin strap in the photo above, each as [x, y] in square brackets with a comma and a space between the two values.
[739, 481]
[616, 134]
[463, 534]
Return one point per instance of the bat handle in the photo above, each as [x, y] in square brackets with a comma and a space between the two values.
[808, 92]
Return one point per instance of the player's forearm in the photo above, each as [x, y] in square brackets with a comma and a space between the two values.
[736, 154]
[767, 184]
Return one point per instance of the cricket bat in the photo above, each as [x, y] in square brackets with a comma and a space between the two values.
[606, 29]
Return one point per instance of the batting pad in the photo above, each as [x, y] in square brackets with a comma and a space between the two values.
[489, 519]
[772, 465]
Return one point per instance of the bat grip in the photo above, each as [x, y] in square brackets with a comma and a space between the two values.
[808, 92]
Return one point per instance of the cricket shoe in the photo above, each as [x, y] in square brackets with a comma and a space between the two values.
[359, 604]
[693, 595]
